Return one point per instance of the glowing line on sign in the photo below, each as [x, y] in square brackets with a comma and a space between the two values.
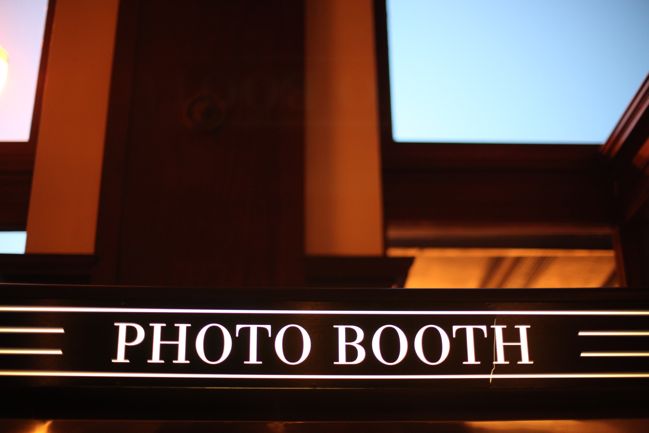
[99, 374]
[27, 309]
[31, 330]
[614, 354]
[31, 352]
[613, 333]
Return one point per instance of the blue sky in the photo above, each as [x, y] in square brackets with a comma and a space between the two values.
[514, 71]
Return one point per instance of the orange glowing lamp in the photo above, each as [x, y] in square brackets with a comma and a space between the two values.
[4, 67]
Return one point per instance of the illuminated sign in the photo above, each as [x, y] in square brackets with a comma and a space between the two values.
[115, 352]
[220, 345]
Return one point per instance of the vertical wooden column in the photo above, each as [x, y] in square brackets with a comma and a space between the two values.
[632, 241]
[67, 170]
[203, 171]
[343, 169]
[628, 148]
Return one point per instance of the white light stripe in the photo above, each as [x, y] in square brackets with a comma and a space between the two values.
[614, 354]
[22, 330]
[27, 309]
[45, 373]
[31, 352]
[614, 333]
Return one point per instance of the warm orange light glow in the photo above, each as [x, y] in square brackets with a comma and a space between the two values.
[507, 267]
[4, 67]
[555, 426]
[42, 427]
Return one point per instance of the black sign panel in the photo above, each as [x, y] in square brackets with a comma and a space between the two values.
[463, 347]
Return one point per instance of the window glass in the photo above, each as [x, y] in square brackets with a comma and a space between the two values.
[22, 27]
[13, 242]
[512, 71]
